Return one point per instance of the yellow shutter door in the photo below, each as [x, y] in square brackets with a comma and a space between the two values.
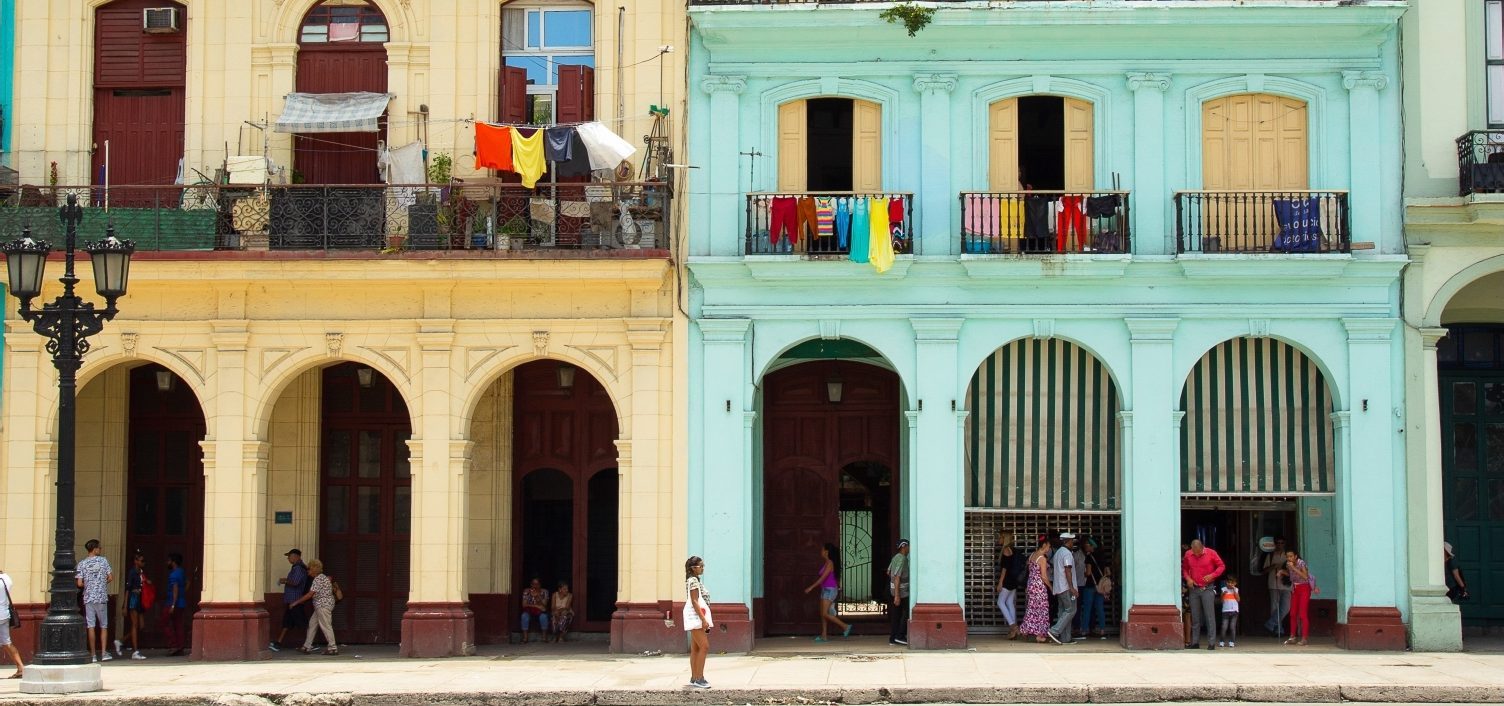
[1078, 146]
[793, 146]
[867, 146]
[1250, 142]
[1002, 146]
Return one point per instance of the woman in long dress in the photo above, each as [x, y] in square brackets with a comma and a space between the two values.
[1037, 613]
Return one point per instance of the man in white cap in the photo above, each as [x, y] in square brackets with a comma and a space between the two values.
[1063, 580]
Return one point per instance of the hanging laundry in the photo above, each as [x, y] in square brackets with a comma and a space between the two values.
[527, 156]
[782, 220]
[880, 246]
[825, 217]
[979, 223]
[557, 143]
[344, 31]
[606, 149]
[843, 222]
[1102, 206]
[1070, 224]
[1036, 224]
[493, 147]
[1012, 213]
[578, 163]
[403, 165]
[1299, 225]
[896, 208]
[861, 231]
[805, 227]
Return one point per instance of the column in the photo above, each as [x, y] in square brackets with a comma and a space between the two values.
[1364, 200]
[727, 200]
[30, 459]
[1152, 234]
[727, 539]
[937, 200]
[1435, 621]
[1368, 501]
[438, 622]
[232, 623]
[1151, 491]
[937, 521]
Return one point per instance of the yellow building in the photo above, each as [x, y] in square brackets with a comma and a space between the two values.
[440, 391]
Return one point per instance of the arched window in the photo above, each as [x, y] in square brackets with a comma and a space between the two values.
[343, 21]
[553, 45]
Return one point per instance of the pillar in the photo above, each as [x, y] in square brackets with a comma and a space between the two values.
[1151, 491]
[727, 201]
[1150, 236]
[1364, 207]
[937, 522]
[438, 622]
[726, 490]
[26, 481]
[1368, 500]
[1435, 621]
[937, 199]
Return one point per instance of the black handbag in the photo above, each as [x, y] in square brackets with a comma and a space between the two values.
[15, 617]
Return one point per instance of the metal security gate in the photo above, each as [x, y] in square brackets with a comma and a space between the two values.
[982, 526]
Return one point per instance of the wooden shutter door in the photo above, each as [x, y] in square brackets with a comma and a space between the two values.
[1251, 142]
[511, 93]
[1291, 146]
[867, 146]
[1079, 138]
[793, 146]
[576, 94]
[1002, 146]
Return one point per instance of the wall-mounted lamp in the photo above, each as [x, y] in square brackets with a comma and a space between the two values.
[164, 381]
[364, 376]
[566, 377]
[834, 388]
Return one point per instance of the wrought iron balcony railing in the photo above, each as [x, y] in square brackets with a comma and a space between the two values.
[460, 216]
[1044, 222]
[1262, 222]
[1480, 162]
[827, 223]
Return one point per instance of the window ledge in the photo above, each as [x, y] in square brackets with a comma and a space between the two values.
[1049, 265]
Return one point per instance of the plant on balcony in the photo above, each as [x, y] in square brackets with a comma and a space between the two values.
[913, 17]
[514, 229]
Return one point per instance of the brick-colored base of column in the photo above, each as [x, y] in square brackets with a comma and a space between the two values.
[230, 632]
[639, 627]
[493, 618]
[1372, 629]
[437, 630]
[733, 627]
[1153, 627]
[937, 626]
[25, 637]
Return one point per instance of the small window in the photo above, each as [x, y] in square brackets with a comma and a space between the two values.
[540, 40]
[338, 21]
[1493, 26]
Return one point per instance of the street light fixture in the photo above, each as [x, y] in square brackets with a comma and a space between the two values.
[62, 663]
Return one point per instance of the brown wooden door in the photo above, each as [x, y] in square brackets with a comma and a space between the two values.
[164, 488]
[565, 490]
[139, 81]
[340, 157]
[807, 441]
[365, 519]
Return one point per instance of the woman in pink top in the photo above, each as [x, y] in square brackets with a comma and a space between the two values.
[1303, 586]
[829, 583]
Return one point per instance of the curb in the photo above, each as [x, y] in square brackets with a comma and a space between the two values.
[1065, 693]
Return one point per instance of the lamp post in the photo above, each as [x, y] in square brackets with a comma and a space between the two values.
[62, 664]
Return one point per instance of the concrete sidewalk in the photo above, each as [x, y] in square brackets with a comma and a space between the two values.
[858, 671]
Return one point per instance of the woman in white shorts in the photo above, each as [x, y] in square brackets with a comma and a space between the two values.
[5, 613]
[697, 622]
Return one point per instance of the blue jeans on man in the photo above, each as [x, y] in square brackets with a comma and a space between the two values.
[1092, 605]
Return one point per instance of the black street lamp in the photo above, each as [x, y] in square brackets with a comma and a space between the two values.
[67, 323]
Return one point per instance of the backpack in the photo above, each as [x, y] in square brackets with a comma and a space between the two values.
[339, 595]
[148, 593]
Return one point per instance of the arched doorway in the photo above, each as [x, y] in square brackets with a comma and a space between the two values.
[830, 460]
[140, 74]
[341, 49]
[365, 507]
[1258, 463]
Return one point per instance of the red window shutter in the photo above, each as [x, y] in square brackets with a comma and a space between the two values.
[570, 107]
[587, 93]
[512, 94]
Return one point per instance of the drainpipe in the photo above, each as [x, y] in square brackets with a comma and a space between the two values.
[621, 98]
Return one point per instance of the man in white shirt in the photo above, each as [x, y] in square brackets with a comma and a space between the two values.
[1063, 579]
[5, 609]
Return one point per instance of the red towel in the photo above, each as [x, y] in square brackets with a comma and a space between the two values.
[493, 147]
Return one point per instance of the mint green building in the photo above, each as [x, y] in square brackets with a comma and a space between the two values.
[1125, 268]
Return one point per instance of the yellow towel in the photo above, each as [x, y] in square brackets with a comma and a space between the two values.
[1013, 219]
[880, 245]
[527, 157]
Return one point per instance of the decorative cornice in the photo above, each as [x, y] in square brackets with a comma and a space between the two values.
[1258, 328]
[724, 330]
[1430, 336]
[1138, 80]
[1044, 329]
[1364, 79]
[724, 83]
[1341, 420]
[934, 83]
[936, 329]
[1152, 329]
[1369, 329]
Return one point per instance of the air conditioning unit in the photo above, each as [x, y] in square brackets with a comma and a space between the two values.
[159, 20]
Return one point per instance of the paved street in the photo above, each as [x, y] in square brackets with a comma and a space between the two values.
[795, 671]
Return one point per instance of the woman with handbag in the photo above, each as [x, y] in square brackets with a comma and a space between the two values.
[9, 619]
[1010, 574]
[697, 621]
[136, 604]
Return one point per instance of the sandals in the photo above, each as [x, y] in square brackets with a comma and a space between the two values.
[1290, 641]
[17, 675]
[332, 651]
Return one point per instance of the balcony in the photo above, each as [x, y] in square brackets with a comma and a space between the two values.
[1044, 222]
[1480, 162]
[1244, 222]
[824, 224]
[554, 220]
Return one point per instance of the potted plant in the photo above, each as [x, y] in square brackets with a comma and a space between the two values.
[514, 228]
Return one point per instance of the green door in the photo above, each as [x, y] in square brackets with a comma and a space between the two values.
[1472, 429]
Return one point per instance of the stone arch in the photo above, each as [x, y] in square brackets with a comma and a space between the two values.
[271, 388]
[1330, 372]
[1099, 97]
[1456, 283]
[401, 21]
[769, 366]
[972, 360]
[1314, 96]
[97, 365]
[887, 98]
[484, 376]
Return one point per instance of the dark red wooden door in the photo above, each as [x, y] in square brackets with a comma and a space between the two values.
[566, 435]
[164, 487]
[339, 157]
[366, 511]
[139, 81]
[807, 441]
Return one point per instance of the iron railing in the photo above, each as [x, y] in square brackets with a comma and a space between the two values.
[821, 223]
[1262, 222]
[1480, 162]
[460, 216]
[1043, 222]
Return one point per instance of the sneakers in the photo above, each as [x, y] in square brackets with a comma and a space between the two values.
[846, 632]
[1221, 644]
[897, 641]
[119, 648]
[1232, 644]
[94, 658]
[273, 647]
[1052, 637]
[137, 655]
[699, 684]
[106, 657]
